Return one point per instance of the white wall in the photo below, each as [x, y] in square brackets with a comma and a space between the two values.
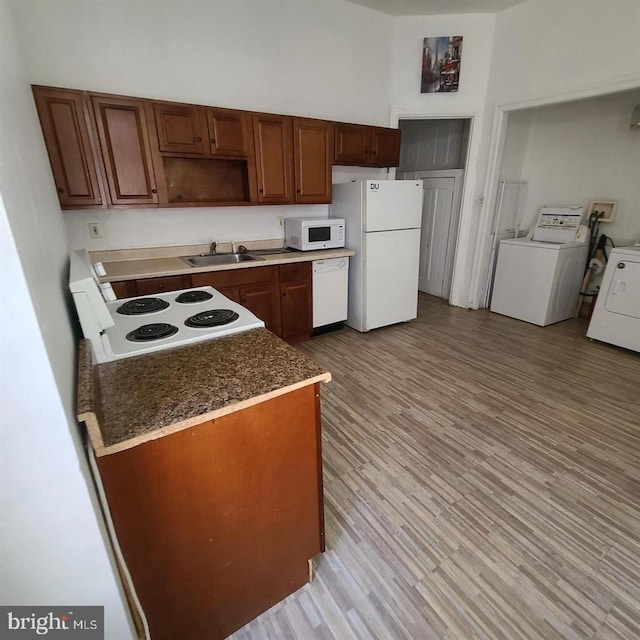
[548, 49]
[547, 52]
[136, 228]
[577, 152]
[327, 59]
[477, 31]
[52, 549]
[322, 58]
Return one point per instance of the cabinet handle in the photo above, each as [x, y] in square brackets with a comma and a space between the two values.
[60, 190]
[198, 139]
[374, 152]
[297, 190]
[154, 191]
[261, 190]
[213, 140]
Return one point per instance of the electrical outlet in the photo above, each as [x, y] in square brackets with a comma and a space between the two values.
[95, 230]
[281, 221]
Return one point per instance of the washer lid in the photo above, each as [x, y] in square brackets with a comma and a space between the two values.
[535, 244]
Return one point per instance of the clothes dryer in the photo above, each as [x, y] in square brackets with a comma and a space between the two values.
[616, 316]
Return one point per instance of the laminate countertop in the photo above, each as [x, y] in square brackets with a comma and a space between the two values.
[133, 400]
[132, 264]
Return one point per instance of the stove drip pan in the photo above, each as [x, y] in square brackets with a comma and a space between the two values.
[140, 306]
[150, 332]
[211, 318]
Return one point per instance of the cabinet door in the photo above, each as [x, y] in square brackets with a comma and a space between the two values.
[385, 147]
[229, 132]
[352, 144]
[273, 143]
[312, 148]
[233, 293]
[296, 305]
[181, 128]
[64, 117]
[262, 300]
[122, 128]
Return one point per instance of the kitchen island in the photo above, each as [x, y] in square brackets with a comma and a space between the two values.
[210, 459]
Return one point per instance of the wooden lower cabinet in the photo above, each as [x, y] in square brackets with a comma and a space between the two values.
[296, 301]
[217, 522]
[281, 296]
[253, 288]
[260, 299]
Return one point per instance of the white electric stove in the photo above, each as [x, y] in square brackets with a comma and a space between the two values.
[135, 326]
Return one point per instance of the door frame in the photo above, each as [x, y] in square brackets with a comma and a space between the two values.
[458, 176]
[460, 294]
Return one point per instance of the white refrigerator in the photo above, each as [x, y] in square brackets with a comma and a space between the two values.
[382, 225]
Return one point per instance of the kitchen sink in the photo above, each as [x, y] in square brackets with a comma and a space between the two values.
[214, 259]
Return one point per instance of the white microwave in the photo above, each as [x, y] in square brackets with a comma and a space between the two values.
[307, 234]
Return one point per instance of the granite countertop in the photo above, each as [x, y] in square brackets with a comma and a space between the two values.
[133, 400]
[130, 264]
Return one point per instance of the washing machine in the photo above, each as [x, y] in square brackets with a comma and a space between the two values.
[616, 316]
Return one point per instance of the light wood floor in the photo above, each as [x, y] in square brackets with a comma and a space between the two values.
[482, 480]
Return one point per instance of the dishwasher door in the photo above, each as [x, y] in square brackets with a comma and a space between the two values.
[330, 286]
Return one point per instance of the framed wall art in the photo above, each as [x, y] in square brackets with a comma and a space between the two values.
[441, 64]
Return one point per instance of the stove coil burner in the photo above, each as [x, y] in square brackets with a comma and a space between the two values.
[189, 297]
[211, 318]
[140, 306]
[150, 332]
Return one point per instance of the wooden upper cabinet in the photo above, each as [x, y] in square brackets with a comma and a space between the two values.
[352, 144]
[64, 118]
[122, 129]
[229, 132]
[181, 128]
[273, 147]
[313, 152]
[365, 146]
[385, 147]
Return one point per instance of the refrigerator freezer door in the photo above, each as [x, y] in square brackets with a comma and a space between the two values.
[392, 204]
[390, 277]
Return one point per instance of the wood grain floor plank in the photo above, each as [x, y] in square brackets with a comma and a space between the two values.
[482, 481]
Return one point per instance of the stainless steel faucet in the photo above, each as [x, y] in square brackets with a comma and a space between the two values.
[238, 248]
[212, 247]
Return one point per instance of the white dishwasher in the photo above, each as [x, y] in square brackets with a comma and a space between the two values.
[330, 287]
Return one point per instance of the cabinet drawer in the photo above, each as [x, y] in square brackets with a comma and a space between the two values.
[297, 271]
[124, 289]
[233, 277]
[160, 285]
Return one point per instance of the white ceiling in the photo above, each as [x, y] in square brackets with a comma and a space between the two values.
[435, 7]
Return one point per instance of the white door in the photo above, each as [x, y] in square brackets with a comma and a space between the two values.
[392, 204]
[391, 277]
[440, 214]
